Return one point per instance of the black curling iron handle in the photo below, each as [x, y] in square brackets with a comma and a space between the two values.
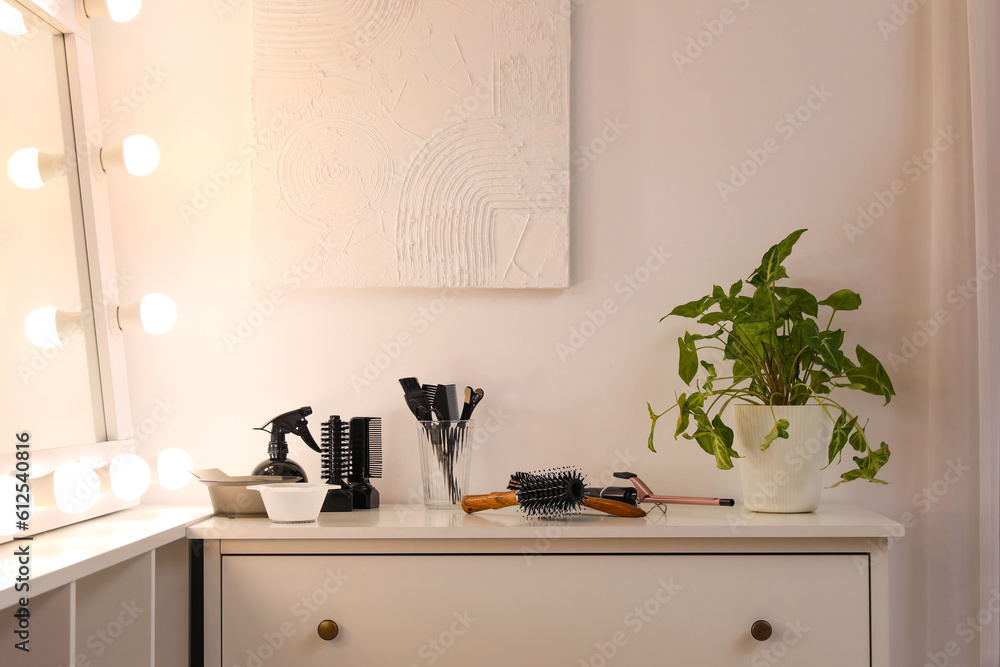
[623, 494]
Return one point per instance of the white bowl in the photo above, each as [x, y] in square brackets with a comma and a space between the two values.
[293, 503]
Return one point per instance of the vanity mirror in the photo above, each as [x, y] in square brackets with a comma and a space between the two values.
[63, 380]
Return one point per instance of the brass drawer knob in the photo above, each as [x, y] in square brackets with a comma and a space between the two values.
[329, 630]
[761, 631]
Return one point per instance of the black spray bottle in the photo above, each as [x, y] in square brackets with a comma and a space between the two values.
[279, 464]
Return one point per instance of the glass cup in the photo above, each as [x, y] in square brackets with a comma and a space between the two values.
[445, 450]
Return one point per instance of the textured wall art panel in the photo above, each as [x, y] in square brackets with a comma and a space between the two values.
[410, 143]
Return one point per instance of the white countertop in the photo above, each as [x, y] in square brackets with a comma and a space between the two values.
[680, 521]
[63, 555]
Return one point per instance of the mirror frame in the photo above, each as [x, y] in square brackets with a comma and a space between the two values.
[66, 17]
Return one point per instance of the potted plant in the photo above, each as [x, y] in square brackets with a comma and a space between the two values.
[785, 362]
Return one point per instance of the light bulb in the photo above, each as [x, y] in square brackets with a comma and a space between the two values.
[41, 327]
[173, 467]
[23, 169]
[11, 20]
[141, 154]
[76, 487]
[48, 326]
[130, 476]
[158, 314]
[30, 168]
[118, 11]
[155, 313]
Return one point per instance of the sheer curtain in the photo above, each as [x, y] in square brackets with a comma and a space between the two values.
[963, 447]
[984, 67]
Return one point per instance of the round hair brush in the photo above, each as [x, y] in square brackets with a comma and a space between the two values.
[549, 493]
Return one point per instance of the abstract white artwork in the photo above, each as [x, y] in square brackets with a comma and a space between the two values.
[410, 143]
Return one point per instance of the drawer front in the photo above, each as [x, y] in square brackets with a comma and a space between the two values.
[555, 610]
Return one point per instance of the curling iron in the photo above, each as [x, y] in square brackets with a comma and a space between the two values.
[640, 493]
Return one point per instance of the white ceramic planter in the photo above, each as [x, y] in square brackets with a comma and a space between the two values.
[788, 476]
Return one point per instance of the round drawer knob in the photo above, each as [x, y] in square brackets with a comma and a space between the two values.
[761, 631]
[329, 630]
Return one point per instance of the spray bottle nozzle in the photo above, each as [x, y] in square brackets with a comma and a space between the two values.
[289, 422]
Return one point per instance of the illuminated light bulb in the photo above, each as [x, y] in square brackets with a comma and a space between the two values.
[11, 20]
[155, 313]
[76, 487]
[48, 326]
[30, 168]
[138, 154]
[173, 468]
[130, 476]
[8, 495]
[118, 11]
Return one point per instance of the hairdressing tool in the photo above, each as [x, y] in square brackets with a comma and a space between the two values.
[472, 398]
[336, 465]
[278, 462]
[548, 493]
[609, 504]
[366, 460]
[416, 399]
[451, 393]
[645, 495]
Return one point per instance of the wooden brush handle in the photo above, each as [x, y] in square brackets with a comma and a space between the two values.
[615, 507]
[491, 501]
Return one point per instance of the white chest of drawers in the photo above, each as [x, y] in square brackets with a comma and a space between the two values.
[407, 586]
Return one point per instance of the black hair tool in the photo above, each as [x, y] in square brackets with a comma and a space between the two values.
[366, 460]
[643, 494]
[472, 398]
[352, 456]
[336, 465]
[416, 398]
[549, 493]
[278, 463]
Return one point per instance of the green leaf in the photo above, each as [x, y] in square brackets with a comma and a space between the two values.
[826, 344]
[868, 466]
[715, 438]
[692, 309]
[794, 302]
[871, 375]
[735, 289]
[688, 364]
[839, 437]
[770, 269]
[844, 299]
[712, 319]
[717, 292]
[653, 416]
[780, 430]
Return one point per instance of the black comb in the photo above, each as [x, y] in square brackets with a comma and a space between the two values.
[366, 460]
[335, 464]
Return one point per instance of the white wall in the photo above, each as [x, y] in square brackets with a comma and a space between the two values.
[653, 188]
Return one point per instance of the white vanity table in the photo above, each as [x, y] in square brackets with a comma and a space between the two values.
[407, 586]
